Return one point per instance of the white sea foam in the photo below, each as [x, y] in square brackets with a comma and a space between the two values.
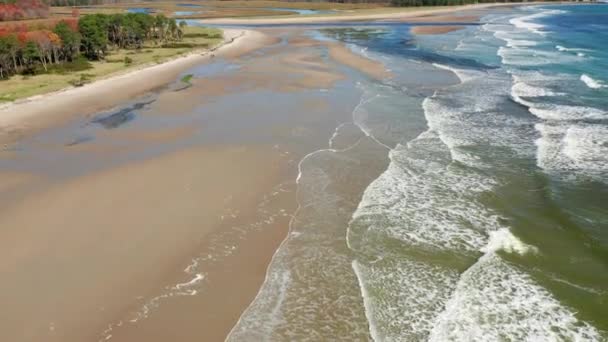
[405, 199]
[503, 239]
[524, 24]
[464, 75]
[403, 297]
[561, 48]
[532, 57]
[527, 22]
[470, 115]
[250, 326]
[495, 301]
[368, 303]
[538, 78]
[550, 144]
[587, 147]
[514, 39]
[547, 111]
[574, 149]
[592, 83]
[522, 89]
[187, 285]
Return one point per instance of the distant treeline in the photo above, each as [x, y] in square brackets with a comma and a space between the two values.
[23, 9]
[63, 46]
[84, 2]
[412, 3]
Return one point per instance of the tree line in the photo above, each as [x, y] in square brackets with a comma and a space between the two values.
[90, 37]
[412, 3]
[23, 9]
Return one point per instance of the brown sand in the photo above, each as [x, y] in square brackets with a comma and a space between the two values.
[435, 29]
[343, 55]
[75, 257]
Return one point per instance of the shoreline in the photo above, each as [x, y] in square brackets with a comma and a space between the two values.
[145, 224]
[22, 116]
[399, 14]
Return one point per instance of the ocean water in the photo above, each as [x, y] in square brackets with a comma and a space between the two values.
[467, 200]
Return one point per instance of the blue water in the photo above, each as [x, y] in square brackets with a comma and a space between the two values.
[185, 13]
[490, 222]
[145, 10]
[299, 11]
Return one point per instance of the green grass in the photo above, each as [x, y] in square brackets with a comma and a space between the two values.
[78, 64]
[80, 73]
[187, 78]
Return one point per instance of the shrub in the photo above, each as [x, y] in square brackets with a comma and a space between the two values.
[79, 82]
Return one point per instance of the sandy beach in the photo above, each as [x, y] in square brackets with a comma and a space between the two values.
[126, 216]
[427, 29]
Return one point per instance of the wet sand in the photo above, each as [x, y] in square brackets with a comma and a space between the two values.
[434, 29]
[86, 249]
[372, 68]
[160, 224]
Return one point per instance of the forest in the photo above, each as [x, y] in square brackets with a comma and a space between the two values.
[68, 44]
[23, 9]
[412, 3]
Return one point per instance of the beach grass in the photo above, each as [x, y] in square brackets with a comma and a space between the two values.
[116, 62]
[187, 79]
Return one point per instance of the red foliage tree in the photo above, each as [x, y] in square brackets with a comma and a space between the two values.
[23, 9]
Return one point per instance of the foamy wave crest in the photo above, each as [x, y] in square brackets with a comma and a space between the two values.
[391, 285]
[527, 22]
[423, 203]
[578, 148]
[522, 89]
[427, 205]
[531, 57]
[587, 147]
[469, 116]
[513, 39]
[464, 75]
[523, 23]
[495, 301]
[554, 112]
[561, 48]
[536, 77]
[250, 325]
[591, 83]
[503, 239]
